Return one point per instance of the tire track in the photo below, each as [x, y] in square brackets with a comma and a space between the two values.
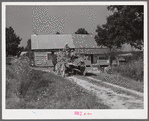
[109, 97]
[120, 87]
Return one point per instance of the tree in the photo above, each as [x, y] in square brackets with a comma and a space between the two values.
[125, 25]
[28, 47]
[12, 42]
[21, 49]
[81, 31]
[101, 37]
[29, 53]
[57, 33]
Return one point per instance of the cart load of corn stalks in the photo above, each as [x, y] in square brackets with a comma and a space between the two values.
[68, 62]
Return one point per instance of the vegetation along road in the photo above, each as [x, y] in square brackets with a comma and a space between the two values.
[116, 96]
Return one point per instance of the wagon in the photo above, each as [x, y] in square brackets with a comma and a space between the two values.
[69, 65]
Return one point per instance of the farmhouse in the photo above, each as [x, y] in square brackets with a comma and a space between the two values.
[84, 45]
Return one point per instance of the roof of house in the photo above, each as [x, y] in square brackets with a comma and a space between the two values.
[84, 44]
[51, 41]
[58, 41]
[78, 41]
[84, 41]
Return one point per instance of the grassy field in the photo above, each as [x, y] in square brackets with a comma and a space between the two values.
[115, 89]
[129, 75]
[32, 89]
[120, 80]
[133, 68]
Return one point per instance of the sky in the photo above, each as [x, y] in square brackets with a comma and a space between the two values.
[74, 17]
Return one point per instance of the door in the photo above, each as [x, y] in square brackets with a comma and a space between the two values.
[49, 60]
[94, 58]
[49, 56]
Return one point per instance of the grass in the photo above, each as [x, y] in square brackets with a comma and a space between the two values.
[120, 80]
[33, 89]
[129, 75]
[115, 89]
[133, 70]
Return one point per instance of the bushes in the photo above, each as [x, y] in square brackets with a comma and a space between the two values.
[27, 88]
[23, 76]
[23, 83]
[8, 60]
[131, 69]
[10, 72]
[136, 56]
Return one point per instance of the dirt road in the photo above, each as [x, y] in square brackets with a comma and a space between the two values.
[109, 96]
[115, 97]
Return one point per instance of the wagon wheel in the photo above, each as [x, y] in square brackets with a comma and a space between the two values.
[63, 68]
[73, 72]
[82, 69]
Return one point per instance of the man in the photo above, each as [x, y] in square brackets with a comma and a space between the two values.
[67, 51]
[67, 48]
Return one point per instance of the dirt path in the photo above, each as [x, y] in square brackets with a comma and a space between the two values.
[119, 87]
[109, 97]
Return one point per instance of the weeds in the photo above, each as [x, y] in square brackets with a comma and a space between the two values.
[133, 70]
[28, 89]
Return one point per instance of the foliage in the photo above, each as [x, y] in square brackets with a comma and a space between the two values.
[133, 70]
[81, 31]
[29, 54]
[28, 47]
[57, 33]
[32, 89]
[136, 56]
[54, 58]
[19, 70]
[12, 42]
[125, 25]
[133, 67]
[21, 50]
[121, 80]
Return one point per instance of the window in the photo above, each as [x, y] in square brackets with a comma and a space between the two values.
[103, 57]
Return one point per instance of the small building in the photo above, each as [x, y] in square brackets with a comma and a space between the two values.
[84, 45]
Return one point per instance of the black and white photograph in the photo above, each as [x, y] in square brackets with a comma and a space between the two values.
[74, 60]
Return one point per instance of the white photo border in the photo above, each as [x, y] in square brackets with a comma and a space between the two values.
[69, 114]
